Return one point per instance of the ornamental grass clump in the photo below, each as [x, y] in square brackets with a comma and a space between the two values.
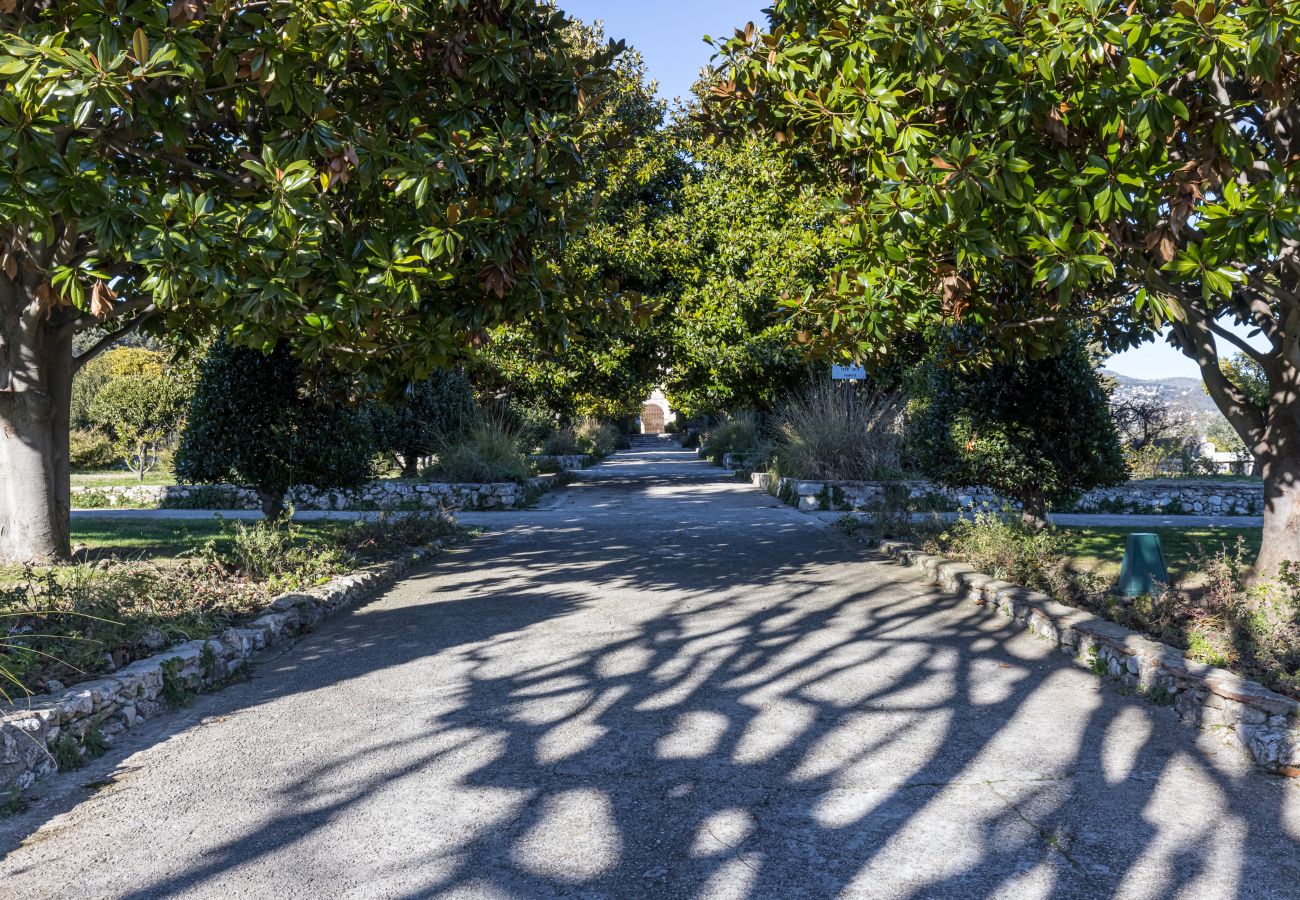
[740, 432]
[491, 452]
[562, 442]
[596, 437]
[824, 435]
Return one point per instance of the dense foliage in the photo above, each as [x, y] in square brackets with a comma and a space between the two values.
[432, 413]
[119, 362]
[253, 421]
[605, 367]
[1035, 430]
[141, 414]
[750, 233]
[400, 166]
[1022, 167]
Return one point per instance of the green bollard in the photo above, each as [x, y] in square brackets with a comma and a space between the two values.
[1144, 565]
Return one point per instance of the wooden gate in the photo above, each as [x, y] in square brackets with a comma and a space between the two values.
[652, 419]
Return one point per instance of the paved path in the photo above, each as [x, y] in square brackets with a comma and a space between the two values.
[663, 685]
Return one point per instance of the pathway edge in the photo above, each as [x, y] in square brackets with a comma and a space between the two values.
[151, 687]
[1243, 713]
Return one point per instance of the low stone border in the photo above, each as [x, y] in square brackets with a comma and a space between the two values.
[373, 496]
[1135, 498]
[1244, 713]
[564, 460]
[33, 731]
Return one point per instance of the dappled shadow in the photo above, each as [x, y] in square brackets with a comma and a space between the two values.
[650, 703]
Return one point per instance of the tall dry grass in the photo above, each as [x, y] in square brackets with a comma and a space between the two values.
[824, 434]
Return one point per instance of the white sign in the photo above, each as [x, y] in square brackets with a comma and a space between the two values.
[849, 373]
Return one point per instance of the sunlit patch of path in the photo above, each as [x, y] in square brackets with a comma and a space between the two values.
[662, 683]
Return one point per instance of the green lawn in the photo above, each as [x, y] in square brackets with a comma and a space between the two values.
[138, 539]
[119, 479]
[1101, 550]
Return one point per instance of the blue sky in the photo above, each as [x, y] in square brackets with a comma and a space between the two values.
[670, 35]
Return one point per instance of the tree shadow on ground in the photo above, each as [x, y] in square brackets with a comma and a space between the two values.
[650, 708]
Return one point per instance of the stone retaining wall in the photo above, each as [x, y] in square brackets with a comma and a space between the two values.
[554, 462]
[738, 461]
[1244, 713]
[1156, 498]
[106, 707]
[1205, 498]
[375, 495]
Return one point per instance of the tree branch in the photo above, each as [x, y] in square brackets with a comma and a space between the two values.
[1262, 314]
[1238, 342]
[1196, 339]
[110, 339]
[86, 320]
[183, 162]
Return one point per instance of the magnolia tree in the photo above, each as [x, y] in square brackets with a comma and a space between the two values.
[1024, 167]
[751, 231]
[377, 182]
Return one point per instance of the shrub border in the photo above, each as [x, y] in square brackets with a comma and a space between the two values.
[104, 708]
[1242, 712]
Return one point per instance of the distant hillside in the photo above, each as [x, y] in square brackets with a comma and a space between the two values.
[1186, 395]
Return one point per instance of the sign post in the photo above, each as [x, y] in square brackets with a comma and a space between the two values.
[848, 376]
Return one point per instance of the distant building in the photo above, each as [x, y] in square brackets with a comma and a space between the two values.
[1227, 463]
[656, 414]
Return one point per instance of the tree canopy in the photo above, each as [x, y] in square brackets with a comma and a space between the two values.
[605, 365]
[750, 232]
[1022, 168]
[376, 182]
[401, 167]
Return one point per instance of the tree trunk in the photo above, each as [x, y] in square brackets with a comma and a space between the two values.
[1281, 538]
[1034, 512]
[272, 504]
[410, 465]
[35, 499]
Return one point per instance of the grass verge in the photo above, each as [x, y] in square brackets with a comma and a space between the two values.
[112, 478]
[138, 587]
[1207, 610]
[1101, 550]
